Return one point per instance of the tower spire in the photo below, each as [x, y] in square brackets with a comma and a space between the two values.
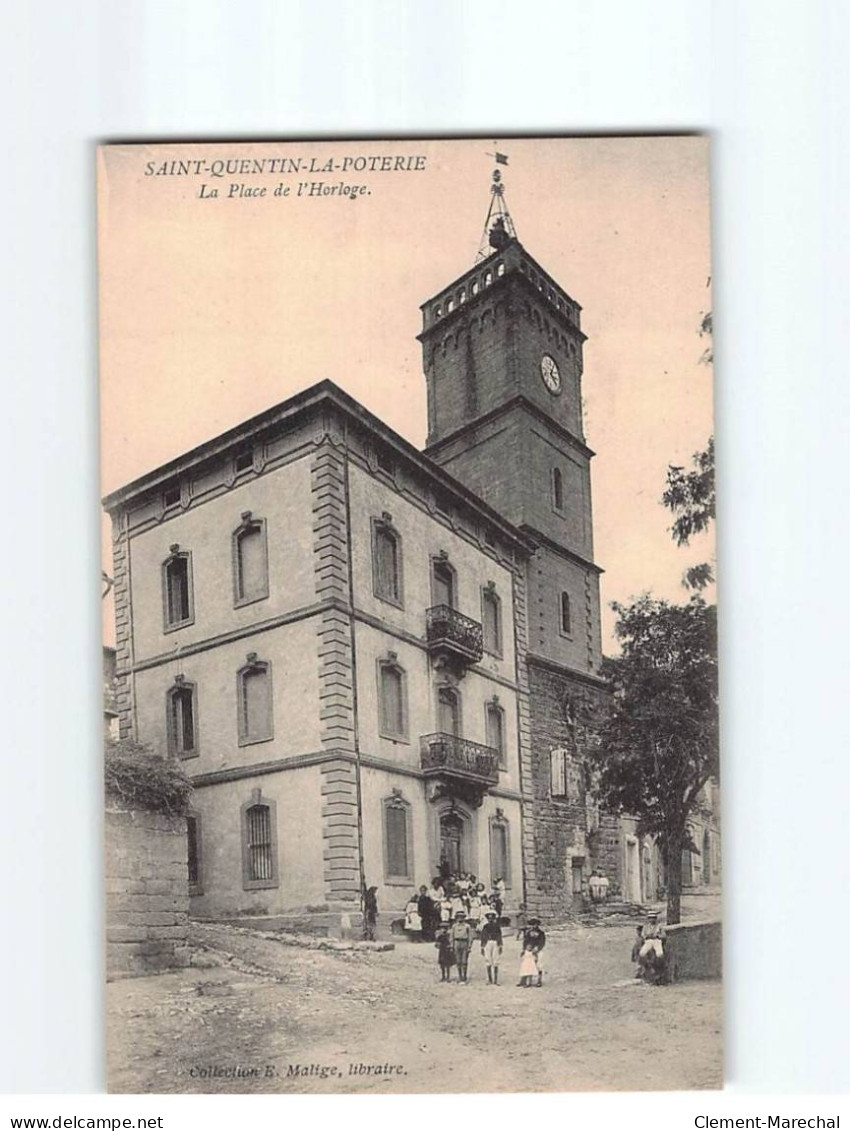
[498, 227]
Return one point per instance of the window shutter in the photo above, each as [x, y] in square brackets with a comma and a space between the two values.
[194, 861]
[256, 703]
[387, 564]
[492, 634]
[495, 732]
[391, 701]
[498, 851]
[557, 772]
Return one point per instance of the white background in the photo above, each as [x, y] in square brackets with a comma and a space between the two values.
[768, 79]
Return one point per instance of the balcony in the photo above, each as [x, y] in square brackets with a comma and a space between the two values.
[452, 638]
[457, 767]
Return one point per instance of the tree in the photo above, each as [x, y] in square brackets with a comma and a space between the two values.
[659, 736]
[690, 495]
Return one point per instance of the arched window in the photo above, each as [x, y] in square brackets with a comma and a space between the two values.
[557, 489]
[500, 849]
[386, 560]
[495, 731]
[448, 711]
[178, 606]
[250, 560]
[254, 689]
[398, 839]
[392, 698]
[259, 843]
[181, 720]
[566, 615]
[491, 620]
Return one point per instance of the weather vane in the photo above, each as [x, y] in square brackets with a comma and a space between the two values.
[499, 228]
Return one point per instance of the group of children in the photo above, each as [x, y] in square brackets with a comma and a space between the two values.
[438, 905]
[456, 939]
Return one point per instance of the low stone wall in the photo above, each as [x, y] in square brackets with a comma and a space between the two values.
[147, 893]
[694, 950]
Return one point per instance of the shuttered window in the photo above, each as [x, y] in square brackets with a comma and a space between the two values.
[492, 617]
[387, 583]
[393, 713]
[558, 772]
[252, 582]
[255, 706]
[557, 489]
[398, 857]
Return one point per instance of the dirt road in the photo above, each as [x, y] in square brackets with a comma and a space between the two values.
[293, 1020]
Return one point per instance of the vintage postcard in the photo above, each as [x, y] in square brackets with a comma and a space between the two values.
[412, 768]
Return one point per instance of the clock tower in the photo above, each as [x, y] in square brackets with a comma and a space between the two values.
[503, 359]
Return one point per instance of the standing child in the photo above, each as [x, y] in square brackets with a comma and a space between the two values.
[462, 937]
[491, 946]
[370, 913]
[445, 954]
[521, 923]
[412, 919]
[533, 944]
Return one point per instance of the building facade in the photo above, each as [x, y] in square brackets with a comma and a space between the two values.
[321, 624]
[379, 663]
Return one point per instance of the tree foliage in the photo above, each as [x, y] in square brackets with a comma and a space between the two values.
[691, 496]
[137, 778]
[659, 737]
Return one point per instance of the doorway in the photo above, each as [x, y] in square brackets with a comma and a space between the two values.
[452, 854]
[576, 877]
[632, 884]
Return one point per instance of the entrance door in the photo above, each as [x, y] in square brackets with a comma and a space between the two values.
[444, 585]
[451, 843]
[576, 875]
[449, 711]
[632, 870]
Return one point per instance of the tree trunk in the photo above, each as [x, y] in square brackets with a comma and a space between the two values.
[675, 842]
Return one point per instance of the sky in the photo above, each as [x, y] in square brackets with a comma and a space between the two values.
[213, 308]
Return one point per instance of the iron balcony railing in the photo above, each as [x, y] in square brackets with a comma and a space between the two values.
[449, 629]
[450, 754]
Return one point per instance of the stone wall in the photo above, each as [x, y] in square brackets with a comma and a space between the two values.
[694, 950]
[147, 893]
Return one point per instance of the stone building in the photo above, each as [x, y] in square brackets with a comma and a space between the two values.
[377, 661]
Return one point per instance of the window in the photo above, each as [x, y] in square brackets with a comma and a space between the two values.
[385, 461]
[250, 561]
[558, 772]
[557, 489]
[193, 835]
[491, 620]
[398, 840]
[392, 698]
[182, 729]
[495, 729]
[171, 494]
[442, 582]
[255, 702]
[259, 842]
[177, 589]
[243, 461]
[566, 615]
[500, 849]
[386, 561]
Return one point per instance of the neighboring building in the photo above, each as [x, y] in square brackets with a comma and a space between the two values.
[110, 698]
[377, 662]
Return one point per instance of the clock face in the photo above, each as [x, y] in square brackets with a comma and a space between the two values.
[550, 373]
